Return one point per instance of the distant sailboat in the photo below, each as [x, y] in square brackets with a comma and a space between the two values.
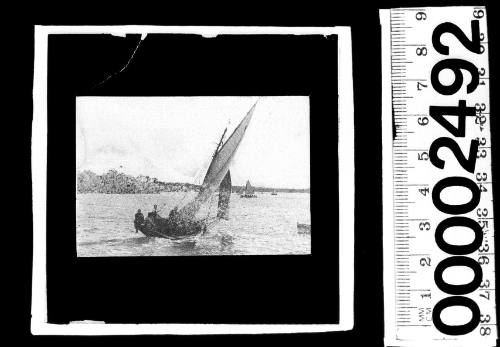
[274, 192]
[182, 223]
[303, 228]
[249, 191]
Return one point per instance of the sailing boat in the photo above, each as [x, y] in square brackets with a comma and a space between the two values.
[249, 191]
[274, 192]
[182, 222]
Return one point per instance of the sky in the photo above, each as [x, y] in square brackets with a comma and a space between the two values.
[173, 138]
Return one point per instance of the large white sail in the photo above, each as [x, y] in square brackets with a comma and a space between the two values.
[219, 166]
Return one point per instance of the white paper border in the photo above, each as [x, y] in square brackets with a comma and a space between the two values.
[39, 325]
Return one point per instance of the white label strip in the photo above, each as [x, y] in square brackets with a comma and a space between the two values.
[439, 280]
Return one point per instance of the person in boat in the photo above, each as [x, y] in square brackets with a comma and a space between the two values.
[174, 217]
[173, 213]
[177, 221]
[139, 219]
[154, 213]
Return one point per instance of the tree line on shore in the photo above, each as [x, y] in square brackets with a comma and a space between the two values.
[115, 182]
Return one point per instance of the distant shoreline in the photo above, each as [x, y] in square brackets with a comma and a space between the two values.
[232, 192]
[115, 182]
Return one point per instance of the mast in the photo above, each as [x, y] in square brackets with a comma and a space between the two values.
[220, 143]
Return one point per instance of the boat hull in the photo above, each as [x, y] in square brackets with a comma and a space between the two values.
[163, 228]
[248, 196]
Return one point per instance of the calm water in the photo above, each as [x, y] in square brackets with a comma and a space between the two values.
[263, 225]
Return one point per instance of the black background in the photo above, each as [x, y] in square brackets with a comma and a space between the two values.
[206, 289]
[364, 21]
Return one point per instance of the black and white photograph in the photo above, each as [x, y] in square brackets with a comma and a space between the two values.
[192, 176]
[312, 174]
[176, 157]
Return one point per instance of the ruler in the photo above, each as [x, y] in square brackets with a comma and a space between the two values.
[439, 274]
